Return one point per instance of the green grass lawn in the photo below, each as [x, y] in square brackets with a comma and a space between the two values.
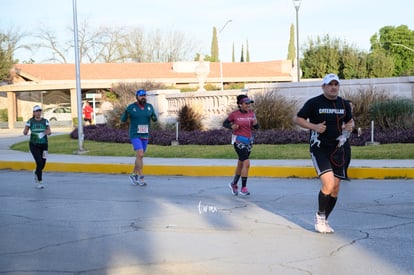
[63, 144]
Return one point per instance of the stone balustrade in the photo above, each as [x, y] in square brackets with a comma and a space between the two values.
[215, 105]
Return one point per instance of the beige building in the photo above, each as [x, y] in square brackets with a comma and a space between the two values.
[56, 83]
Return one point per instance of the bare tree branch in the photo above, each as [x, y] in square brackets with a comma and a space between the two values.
[48, 40]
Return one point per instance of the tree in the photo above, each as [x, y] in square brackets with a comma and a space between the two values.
[167, 47]
[47, 39]
[215, 55]
[247, 51]
[6, 58]
[320, 57]
[134, 46]
[391, 54]
[325, 55]
[118, 44]
[291, 47]
[380, 64]
[397, 42]
[105, 44]
[242, 54]
[206, 57]
[9, 44]
[353, 63]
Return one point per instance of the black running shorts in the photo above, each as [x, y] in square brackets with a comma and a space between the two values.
[242, 150]
[329, 159]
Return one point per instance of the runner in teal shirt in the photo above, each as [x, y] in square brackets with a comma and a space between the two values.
[139, 114]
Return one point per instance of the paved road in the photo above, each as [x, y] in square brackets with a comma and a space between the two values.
[88, 223]
[95, 223]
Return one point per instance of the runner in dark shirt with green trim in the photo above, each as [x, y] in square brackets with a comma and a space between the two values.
[39, 130]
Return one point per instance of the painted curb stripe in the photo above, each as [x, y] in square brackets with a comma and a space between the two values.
[209, 171]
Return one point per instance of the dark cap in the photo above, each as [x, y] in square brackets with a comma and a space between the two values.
[140, 93]
[243, 99]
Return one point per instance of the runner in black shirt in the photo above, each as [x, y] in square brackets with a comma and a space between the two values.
[329, 119]
[39, 130]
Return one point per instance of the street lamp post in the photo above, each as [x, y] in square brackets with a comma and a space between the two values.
[81, 149]
[296, 3]
[404, 46]
[221, 63]
[394, 43]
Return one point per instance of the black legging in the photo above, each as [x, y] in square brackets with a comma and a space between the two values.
[37, 152]
[347, 151]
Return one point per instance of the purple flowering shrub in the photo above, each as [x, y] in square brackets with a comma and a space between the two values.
[385, 136]
[103, 133]
[211, 137]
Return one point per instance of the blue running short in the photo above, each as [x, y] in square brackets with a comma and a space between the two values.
[139, 144]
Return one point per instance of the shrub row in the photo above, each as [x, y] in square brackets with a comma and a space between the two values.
[223, 136]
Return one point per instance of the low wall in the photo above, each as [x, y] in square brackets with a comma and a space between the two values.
[302, 91]
[215, 105]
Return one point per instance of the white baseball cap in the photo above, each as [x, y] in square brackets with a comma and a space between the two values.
[36, 108]
[328, 78]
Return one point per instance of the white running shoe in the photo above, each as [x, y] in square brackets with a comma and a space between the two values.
[40, 185]
[329, 229]
[133, 179]
[141, 181]
[320, 223]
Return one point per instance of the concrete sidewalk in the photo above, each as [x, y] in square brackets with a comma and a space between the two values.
[9, 159]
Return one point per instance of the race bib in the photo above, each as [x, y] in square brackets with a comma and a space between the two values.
[41, 135]
[142, 129]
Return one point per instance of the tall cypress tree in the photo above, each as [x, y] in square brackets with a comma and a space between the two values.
[247, 51]
[242, 54]
[215, 55]
[291, 47]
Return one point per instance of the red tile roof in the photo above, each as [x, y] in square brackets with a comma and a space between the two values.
[153, 71]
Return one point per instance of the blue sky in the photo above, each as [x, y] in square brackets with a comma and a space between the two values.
[264, 24]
